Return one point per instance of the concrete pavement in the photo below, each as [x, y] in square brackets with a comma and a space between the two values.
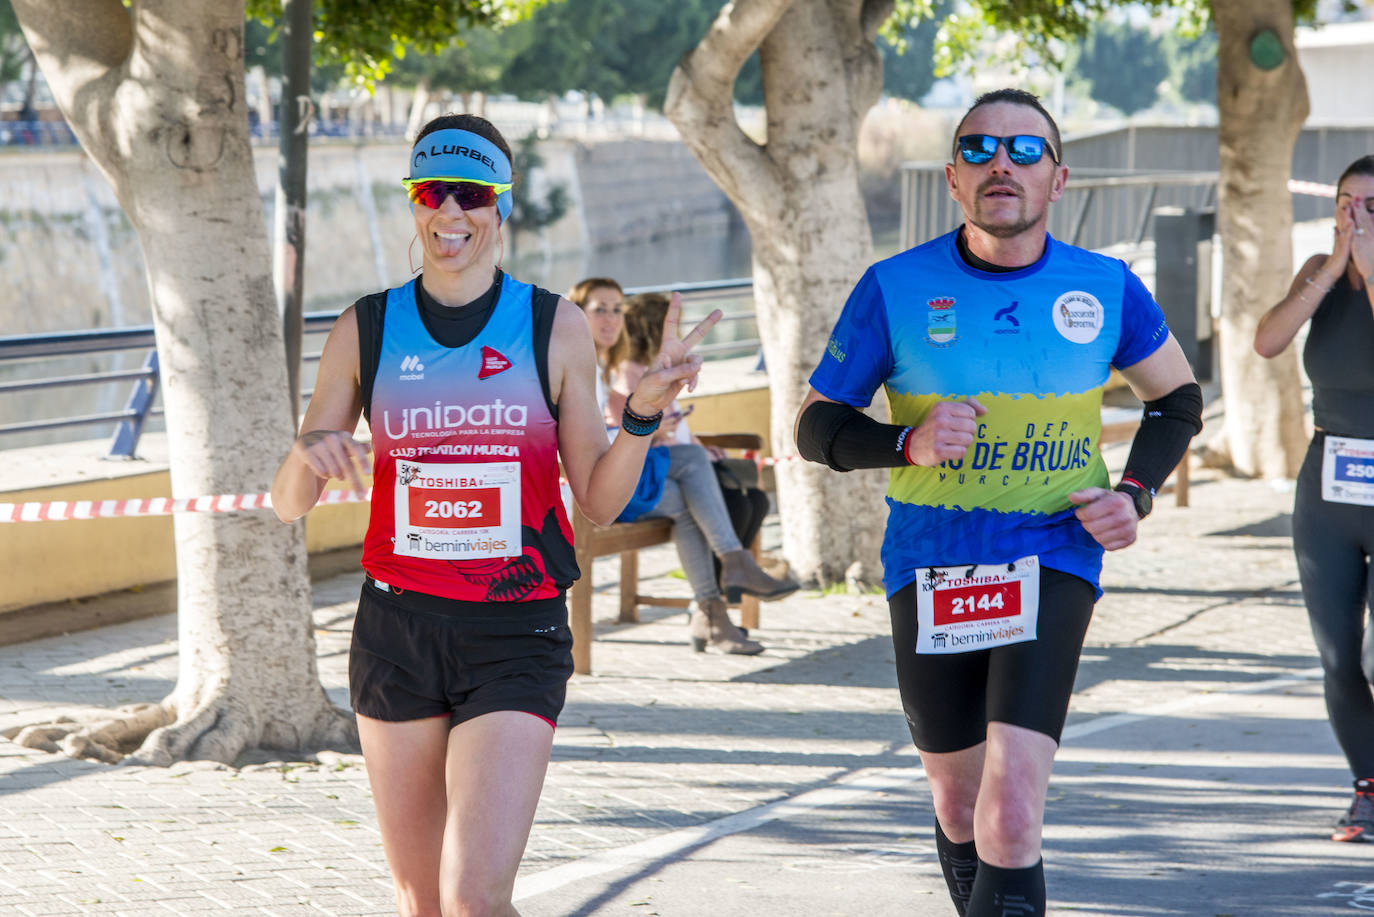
[1198, 774]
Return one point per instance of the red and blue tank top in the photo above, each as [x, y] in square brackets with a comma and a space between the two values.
[465, 501]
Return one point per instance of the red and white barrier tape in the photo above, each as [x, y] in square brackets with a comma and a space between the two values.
[59, 510]
[768, 461]
[1316, 189]
[63, 510]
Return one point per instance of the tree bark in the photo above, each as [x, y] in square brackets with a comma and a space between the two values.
[1261, 114]
[419, 105]
[799, 196]
[155, 93]
[288, 218]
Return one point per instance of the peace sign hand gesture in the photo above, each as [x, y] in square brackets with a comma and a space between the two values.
[675, 365]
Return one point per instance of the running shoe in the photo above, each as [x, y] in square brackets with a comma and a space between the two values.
[1357, 825]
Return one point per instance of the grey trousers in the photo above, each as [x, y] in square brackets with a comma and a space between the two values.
[701, 524]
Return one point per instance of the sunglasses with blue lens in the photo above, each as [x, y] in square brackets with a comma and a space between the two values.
[1022, 149]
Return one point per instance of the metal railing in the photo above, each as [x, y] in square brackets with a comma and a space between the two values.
[142, 404]
[1100, 208]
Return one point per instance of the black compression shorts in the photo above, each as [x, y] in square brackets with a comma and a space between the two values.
[435, 657]
[949, 699]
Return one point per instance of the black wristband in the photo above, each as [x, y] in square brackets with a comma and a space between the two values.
[637, 424]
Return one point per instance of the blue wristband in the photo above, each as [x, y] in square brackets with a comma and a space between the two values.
[636, 424]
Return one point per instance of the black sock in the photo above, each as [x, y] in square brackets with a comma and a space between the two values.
[1002, 892]
[959, 863]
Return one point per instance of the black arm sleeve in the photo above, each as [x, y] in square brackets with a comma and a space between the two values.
[1162, 438]
[845, 438]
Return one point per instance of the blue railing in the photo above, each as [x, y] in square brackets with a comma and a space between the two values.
[141, 403]
[36, 133]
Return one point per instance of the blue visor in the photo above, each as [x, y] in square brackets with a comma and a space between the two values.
[457, 154]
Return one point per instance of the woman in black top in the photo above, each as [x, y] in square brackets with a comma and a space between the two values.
[1333, 515]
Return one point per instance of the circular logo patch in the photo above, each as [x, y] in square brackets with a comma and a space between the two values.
[1078, 316]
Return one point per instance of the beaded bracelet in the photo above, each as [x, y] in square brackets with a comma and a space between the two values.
[637, 424]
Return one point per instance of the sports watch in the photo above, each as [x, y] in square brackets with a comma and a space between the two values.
[1142, 498]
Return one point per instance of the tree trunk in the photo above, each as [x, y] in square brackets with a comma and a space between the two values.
[1261, 114]
[419, 105]
[288, 217]
[156, 95]
[799, 195]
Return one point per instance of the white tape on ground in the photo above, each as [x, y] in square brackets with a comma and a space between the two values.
[844, 791]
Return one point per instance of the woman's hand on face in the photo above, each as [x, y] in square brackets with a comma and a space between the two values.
[1341, 237]
[675, 365]
[1361, 246]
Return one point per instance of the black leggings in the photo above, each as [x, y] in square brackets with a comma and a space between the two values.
[1334, 542]
[950, 699]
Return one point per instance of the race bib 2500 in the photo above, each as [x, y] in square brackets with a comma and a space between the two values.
[1348, 471]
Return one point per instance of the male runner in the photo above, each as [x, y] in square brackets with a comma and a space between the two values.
[994, 342]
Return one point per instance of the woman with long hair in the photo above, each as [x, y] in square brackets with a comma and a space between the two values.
[1333, 511]
[474, 385]
[679, 483]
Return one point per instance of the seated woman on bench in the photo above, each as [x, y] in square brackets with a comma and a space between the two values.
[679, 483]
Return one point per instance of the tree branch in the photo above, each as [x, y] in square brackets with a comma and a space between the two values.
[863, 63]
[700, 101]
[736, 33]
[872, 16]
[82, 47]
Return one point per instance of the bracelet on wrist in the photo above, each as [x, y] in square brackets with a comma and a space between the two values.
[637, 424]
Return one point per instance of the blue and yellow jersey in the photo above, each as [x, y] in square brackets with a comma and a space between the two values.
[1034, 346]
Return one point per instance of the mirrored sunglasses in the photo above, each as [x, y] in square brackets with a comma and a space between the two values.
[470, 194]
[1022, 149]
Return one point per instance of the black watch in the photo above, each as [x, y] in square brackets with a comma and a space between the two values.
[1142, 498]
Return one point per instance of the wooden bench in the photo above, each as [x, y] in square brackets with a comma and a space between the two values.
[591, 541]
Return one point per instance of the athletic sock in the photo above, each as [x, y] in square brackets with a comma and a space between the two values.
[999, 892]
[959, 862]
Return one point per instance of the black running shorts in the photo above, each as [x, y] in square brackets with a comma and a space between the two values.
[949, 699]
[423, 656]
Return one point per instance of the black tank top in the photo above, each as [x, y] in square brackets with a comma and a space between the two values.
[451, 326]
[1339, 359]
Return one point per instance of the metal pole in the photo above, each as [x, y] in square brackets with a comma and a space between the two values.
[288, 259]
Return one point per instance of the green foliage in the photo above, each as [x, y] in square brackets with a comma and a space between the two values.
[1193, 67]
[1123, 66]
[365, 37]
[527, 212]
[473, 63]
[14, 49]
[606, 47]
[1042, 27]
[908, 51]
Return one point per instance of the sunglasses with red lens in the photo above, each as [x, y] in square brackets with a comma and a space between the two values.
[470, 195]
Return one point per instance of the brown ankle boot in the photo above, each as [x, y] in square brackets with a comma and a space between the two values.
[741, 574]
[710, 624]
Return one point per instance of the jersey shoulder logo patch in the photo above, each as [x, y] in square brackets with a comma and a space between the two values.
[493, 362]
[1078, 316]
